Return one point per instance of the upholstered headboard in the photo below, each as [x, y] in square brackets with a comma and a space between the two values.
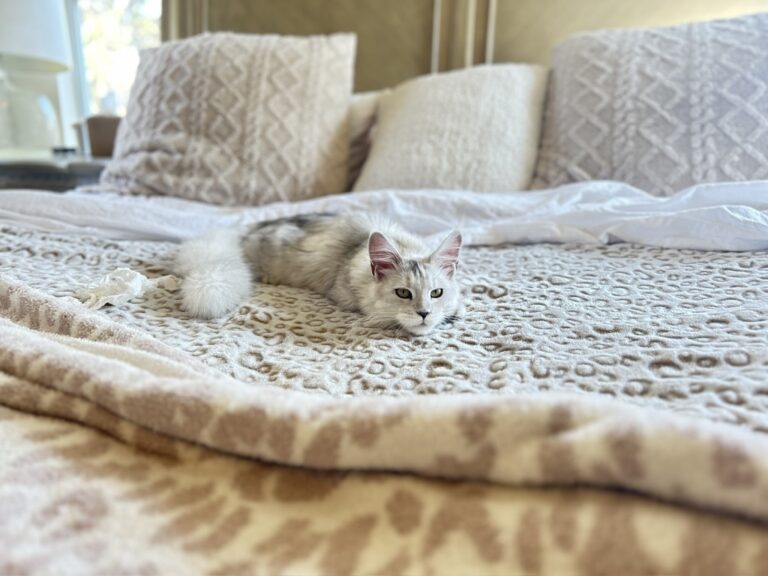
[400, 39]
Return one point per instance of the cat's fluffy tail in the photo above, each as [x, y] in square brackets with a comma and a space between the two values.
[216, 276]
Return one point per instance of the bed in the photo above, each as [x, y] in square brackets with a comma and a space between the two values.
[600, 408]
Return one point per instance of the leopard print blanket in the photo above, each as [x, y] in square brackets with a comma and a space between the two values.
[74, 502]
[601, 366]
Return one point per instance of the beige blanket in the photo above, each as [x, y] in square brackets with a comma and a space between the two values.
[74, 502]
[59, 359]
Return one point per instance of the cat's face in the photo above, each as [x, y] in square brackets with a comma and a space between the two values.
[417, 294]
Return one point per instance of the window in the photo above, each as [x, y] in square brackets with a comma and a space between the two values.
[111, 33]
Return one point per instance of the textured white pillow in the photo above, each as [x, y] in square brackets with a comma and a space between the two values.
[238, 119]
[659, 108]
[474, 129]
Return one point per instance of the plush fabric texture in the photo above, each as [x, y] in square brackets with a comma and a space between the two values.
[661, 109]
[594, 365]
[237, 120]
[82, 503]
[136, 440]
[475, 129]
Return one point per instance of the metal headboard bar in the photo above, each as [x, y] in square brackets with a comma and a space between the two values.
[469, 44]
[489, 37]
[490, 32]
[437, 24]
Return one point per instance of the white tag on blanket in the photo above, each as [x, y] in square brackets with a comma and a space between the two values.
[120, 286]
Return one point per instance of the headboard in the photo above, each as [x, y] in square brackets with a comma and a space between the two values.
[400, 39]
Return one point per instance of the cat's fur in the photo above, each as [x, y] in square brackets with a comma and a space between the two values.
[356, 260]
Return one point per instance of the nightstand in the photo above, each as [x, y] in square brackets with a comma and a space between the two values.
[49, 172]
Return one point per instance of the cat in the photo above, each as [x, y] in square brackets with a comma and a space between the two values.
[361, 262]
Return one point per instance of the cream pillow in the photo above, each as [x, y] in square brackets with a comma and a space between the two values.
[362, 122]
[474, 129]
[238, 119]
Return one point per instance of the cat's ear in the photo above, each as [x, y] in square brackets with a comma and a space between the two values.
[384, 256]
[447, 254]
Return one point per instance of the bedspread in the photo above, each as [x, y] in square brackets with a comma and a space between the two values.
[610, 366]
[681, 330]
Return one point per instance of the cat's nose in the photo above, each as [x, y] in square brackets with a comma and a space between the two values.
[423, 313]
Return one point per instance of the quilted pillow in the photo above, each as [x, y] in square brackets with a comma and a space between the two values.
[661, 109]
[237, 119]
[474, 129]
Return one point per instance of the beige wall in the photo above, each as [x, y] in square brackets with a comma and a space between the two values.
[395, 36]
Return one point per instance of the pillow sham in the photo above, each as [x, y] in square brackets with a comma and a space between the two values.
[473, 129]
[661, 109]
[237, 119]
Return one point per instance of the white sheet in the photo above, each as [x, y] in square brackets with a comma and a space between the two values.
[727, 216]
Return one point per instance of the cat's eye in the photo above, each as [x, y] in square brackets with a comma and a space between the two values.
[403, 293]
[436, 293]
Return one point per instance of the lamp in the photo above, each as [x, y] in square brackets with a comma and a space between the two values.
[33, 47]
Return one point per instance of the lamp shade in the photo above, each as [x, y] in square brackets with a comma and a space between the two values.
[33, 36]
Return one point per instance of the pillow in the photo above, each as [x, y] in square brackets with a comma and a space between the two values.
[237, 119]
[473, 129]
[362, 120]
[661, 109]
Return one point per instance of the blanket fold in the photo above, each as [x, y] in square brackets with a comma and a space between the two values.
[67, 491]
[60, 359]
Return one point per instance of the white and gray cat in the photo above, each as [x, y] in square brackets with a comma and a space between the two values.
[363, 263]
